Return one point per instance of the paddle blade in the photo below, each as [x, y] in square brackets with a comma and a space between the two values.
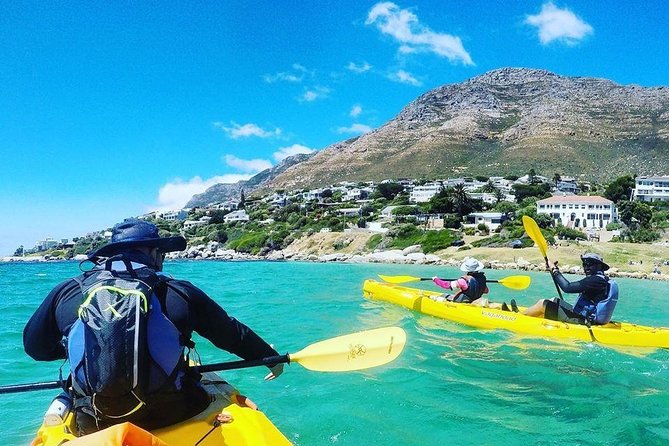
[355, 351]
[399, 279]
[535, 234]
[516, 282]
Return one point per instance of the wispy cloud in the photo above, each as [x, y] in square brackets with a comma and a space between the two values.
[404, 26]
[404, 77]
[558, 24]
[295, 149]
[297, 74]
[356, 110]
[175, 194]
[357, 129]
[236, 131]
[313, 94]
[361, 68]
[247, 166]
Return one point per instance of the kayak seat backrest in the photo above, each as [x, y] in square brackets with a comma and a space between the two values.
[604, 308]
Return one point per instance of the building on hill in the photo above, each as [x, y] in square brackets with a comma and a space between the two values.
[179, 215]
[491, 219]
[190, 224]
[567, 184]
[239, 215]
[651, 189]
[422, 194]
[579, 211]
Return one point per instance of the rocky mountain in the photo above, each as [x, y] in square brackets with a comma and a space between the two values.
[501, 123]
[223, 191]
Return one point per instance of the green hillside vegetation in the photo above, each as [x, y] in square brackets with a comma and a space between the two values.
[274, 227]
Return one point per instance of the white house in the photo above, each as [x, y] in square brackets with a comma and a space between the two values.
[578, 211]
[422, 194]
[174, 215]
[651, 189]
[349, 212]
[190, 224]
[567, 184]
[491, 219]
[239, 215]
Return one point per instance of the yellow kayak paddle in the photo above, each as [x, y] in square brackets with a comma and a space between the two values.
[355, 351]
[537, 237]
[512, 282]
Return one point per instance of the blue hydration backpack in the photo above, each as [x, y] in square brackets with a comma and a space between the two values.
[122, 347]
[600, 313]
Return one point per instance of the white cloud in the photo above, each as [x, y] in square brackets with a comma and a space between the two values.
[297, 75]
[313, 94]
[285, 152]
[403, 26]
[404, 77]
[355, 111]
[558, 24]
[363, 67]
[248, 166]
[357, 129]
[237, 131]
[175, 194]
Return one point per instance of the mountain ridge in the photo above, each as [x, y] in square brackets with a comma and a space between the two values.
[503, 122]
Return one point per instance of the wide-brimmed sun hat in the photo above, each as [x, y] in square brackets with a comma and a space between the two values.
[591, 257]
[133, 233]
[471, 265]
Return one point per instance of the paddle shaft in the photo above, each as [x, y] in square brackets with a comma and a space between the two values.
[268, 361]
[450, 280]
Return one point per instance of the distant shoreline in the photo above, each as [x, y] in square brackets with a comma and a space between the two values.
[407, 257]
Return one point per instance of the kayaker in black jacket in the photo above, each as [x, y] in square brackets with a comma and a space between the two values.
[136, 253]
[593, 290]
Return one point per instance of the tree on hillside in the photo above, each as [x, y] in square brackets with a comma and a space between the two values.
[462, 202]
[522, 191]
[556, 179]
[620, 189]
[635, 214]
[489, 187]
[389, 190]
[242, 200]
[441, 203]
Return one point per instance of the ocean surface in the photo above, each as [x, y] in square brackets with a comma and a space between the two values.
[451, 385]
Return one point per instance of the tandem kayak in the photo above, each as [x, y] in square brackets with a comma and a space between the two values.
[242, 425]
[613, 333]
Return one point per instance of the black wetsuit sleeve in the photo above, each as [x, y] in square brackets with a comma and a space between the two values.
[592, 286]
[209, 320]
[42, 336]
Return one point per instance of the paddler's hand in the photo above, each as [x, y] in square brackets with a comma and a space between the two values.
[274, 372]
[553, 266]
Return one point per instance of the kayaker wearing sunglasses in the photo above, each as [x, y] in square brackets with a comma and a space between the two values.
[596, 300]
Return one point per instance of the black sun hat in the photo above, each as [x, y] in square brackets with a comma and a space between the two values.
[591, 257]
[133, 233]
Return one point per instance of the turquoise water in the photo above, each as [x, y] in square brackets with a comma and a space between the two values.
[451, 385]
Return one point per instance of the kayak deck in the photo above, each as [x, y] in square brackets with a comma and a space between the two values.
[613, 333]
[247, 426]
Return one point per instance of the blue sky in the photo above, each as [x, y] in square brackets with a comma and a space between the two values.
[112, 109]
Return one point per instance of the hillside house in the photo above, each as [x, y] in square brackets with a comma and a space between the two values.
[239, 215]
[491, 219]
[651, 189]
[202, 221]
[422, 194]
[578, 211]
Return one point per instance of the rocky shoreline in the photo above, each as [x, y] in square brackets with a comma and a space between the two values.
[408, 256]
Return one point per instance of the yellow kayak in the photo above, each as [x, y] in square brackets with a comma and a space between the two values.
[613, 333]
[242, 424]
